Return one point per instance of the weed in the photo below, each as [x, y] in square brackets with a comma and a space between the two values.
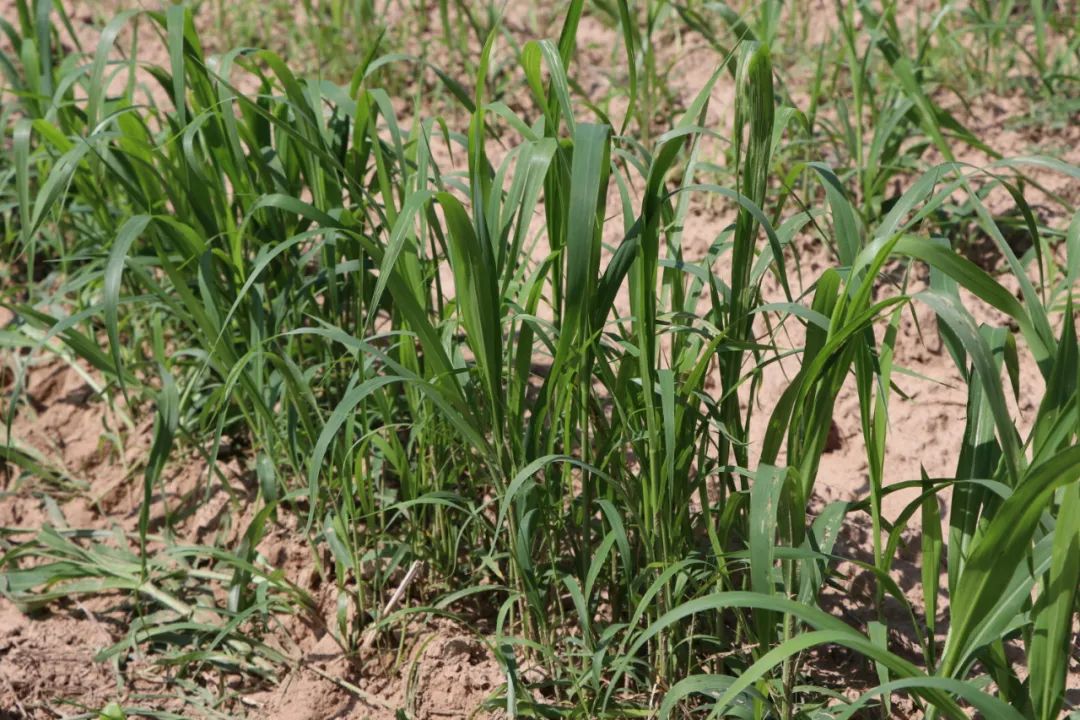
[507, 371]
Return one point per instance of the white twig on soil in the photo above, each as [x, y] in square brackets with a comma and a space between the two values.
[96, 623]
[14, 695]
[348, 686]
[391, 604]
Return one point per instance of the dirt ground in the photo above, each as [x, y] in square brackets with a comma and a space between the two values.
[439, 669]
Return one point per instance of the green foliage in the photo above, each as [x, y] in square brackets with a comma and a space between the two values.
[432, 364]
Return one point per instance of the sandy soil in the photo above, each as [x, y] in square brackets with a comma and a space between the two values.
[440, 669]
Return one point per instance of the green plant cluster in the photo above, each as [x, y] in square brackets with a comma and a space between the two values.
[502, 367]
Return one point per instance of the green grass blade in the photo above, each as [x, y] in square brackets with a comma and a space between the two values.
[1050, 648]
[1000, 550]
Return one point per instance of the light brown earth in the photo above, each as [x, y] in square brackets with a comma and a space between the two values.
[439, 669]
